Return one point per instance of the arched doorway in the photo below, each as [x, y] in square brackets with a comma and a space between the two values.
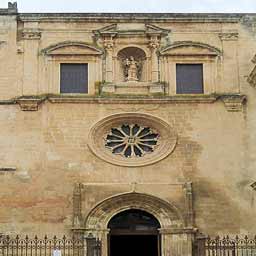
[134, 232]
[176, 236]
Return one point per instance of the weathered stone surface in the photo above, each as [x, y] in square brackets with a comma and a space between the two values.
[48, 143]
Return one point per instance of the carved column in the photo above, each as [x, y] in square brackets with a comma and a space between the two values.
[189, 204]
[154, 44]
[108, 44]
[77, 201]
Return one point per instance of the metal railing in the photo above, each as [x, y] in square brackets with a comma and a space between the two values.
[227, 246]
[41, 247]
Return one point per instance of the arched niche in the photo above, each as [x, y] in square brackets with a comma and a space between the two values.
[139, 55]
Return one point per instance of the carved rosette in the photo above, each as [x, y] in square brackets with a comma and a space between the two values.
[132, 139]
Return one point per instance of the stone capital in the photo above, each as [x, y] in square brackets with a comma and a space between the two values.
[154, 43]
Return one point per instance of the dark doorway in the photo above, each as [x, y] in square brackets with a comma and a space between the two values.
[134, 233]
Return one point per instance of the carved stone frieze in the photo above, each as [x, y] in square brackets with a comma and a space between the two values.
[31, 34]
[229, 36]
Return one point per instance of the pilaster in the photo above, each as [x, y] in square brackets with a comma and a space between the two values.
[31, 37]
[154, 44]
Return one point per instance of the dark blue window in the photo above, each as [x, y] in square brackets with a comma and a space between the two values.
[73, 78]
[189, 78]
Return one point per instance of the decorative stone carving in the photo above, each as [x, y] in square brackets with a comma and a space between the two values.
[234, 103]
[229, 36]
[131, 140]
[12, 7]
[30, 103]
[252, 77]
[131, 69]
[100, 136]
[31, 34]
[253, 185]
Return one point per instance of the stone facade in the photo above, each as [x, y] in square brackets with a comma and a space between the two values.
[57, 175]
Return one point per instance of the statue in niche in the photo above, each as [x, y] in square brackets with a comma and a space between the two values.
[132, 69]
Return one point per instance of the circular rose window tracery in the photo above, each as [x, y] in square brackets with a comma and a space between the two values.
[131, 140]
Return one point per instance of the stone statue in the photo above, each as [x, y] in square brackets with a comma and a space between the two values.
[131, 69]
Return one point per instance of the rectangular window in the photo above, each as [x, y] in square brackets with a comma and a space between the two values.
[73, 78]
[189, 78]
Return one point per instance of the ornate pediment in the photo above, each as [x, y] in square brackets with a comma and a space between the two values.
[72, 48]
[128, 28]
[190, 48]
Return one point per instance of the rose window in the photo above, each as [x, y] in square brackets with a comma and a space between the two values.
[131, 140]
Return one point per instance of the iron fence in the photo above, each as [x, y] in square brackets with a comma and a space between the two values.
[227, 246]
[42, 247]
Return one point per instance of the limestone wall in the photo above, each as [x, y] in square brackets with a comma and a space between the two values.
[48, 149]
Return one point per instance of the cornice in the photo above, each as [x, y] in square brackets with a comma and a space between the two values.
[232, 102]
[127, 17]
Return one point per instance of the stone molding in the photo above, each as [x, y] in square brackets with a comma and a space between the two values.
[31, 103]
[7, 169]
[126, 99]
[134, 88]
[129, 17]
[168, 215]
[62, 45]
[98, 132]
[211, 50]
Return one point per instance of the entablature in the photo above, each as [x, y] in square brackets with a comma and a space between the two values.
[232, 102]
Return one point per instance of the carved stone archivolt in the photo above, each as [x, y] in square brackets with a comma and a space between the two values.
[132, 139]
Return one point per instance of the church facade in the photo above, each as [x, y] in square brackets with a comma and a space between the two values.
[123, 126]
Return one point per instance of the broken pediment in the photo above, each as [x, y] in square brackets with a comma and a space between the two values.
[190, 49]
[128, 28]
[72, 48]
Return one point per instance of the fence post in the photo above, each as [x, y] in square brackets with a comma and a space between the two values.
[93, 246]
[199, 245]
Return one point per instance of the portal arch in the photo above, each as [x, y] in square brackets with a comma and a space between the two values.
[167, 214]
[173, 233]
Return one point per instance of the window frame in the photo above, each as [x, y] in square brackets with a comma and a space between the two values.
[88, 77]
[203, 77]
